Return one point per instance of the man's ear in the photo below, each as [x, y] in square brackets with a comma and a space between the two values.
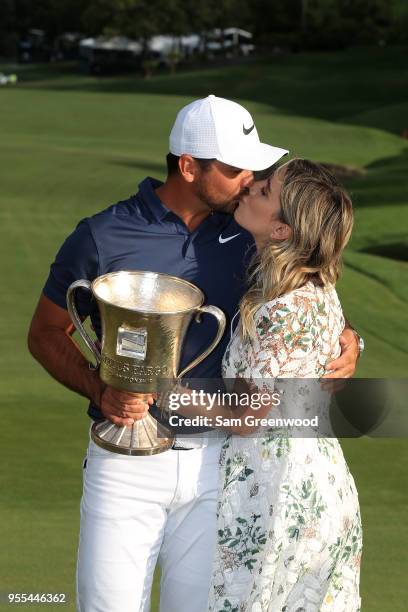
[188, 168]
[280, 231]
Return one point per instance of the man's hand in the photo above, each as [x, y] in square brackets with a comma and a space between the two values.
[345, 365]
[124, 408]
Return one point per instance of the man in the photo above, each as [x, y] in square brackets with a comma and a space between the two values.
[136, 510]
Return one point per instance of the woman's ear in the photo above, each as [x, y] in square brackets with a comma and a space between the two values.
[280, 231]
[188, 168]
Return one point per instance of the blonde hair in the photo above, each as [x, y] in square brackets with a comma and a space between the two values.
[320, 214]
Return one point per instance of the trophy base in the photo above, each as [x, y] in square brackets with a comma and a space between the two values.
[141, 438]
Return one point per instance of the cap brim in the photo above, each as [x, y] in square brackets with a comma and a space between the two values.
[255, 158]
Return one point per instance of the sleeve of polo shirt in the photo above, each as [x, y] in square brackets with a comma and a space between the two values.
[76, 259]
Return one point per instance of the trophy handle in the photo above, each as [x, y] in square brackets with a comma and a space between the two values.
[220, 316]
[73, 313]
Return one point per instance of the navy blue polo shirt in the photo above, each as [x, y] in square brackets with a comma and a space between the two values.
[141, 233]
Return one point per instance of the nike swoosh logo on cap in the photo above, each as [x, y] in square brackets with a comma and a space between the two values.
[224, 240]
[247, 130]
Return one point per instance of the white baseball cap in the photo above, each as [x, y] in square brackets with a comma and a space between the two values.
[216, 128]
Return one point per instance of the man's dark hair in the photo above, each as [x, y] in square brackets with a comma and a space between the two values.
[173, 160]
[172, 163]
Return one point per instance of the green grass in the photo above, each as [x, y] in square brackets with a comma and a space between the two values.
[70, 145]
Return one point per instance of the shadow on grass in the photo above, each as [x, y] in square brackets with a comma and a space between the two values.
[385, 183]
[293, 83]
[397, 251]
[139, 164]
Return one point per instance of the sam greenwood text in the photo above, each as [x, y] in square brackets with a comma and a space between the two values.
[249, 421]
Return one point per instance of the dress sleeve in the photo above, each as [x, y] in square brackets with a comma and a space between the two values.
[286, 338]
[76, 259]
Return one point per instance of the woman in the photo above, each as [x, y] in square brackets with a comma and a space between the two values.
[289, 529]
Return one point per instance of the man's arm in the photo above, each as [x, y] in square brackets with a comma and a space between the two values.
[345, 365]
[50, 342]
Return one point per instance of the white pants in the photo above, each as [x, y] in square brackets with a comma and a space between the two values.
[135, 510]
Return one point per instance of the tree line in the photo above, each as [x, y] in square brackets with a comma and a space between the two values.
[289, 23]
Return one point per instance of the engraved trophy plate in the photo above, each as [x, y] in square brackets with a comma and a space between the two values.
[132, 343]
[144, 317]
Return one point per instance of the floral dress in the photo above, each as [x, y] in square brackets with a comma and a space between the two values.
[289, 527]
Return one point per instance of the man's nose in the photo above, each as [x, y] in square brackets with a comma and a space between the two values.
[247, 180]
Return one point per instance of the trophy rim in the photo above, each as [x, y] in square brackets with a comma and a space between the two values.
[141, 310]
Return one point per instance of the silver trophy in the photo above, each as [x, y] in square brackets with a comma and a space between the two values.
[144, 317]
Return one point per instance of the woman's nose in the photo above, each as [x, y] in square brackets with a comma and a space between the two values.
[252, 190]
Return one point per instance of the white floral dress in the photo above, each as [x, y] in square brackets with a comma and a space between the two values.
[289, 528]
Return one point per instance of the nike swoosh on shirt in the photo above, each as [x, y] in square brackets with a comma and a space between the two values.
[224, 240]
